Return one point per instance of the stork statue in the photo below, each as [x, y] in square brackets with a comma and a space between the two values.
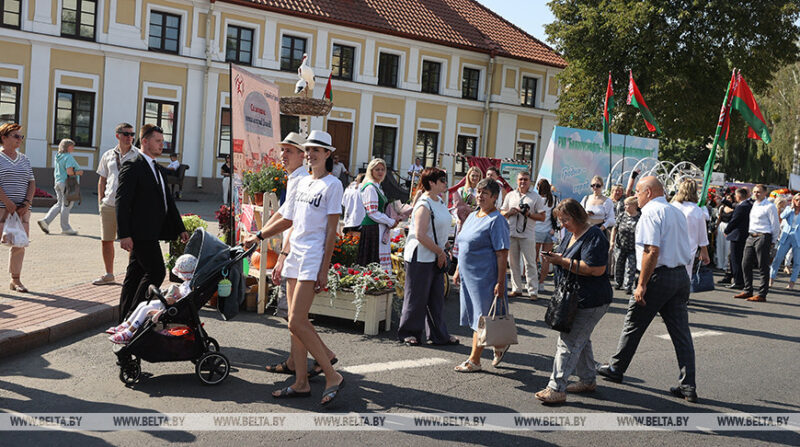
[306, 75]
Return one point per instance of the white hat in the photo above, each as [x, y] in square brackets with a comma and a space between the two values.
[294, 139]
[184, 267]
[319, 138]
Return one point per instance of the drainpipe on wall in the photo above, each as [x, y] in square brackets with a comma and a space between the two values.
[487, 97]
[209, 42]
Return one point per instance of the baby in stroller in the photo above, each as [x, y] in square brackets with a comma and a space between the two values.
[184, 269]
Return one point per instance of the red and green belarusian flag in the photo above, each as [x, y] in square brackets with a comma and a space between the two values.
[745, 103]
[607, 106]
[635, 99]
[737, 97]
[328, 91]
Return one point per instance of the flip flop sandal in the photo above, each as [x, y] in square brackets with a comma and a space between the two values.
[290, 393]
[411, 341]
[315, 372]
[467, 367]
[284, 368]
[332, 393]
[451, 342]
[499, 354]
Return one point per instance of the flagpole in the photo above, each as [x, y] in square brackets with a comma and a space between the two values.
[710, 162]
[624, 141]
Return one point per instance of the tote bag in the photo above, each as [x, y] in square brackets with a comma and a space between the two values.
[497, 330]
[73, 189]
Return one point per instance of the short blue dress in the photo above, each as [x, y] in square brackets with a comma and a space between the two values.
[479, 239]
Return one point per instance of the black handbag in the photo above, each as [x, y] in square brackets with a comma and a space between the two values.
[564, 304]
[450, 263]
[702, 280]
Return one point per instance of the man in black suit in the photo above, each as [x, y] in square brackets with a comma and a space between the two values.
[737, 232]
[146, 214]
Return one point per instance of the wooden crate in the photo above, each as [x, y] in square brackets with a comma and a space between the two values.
[376, 308]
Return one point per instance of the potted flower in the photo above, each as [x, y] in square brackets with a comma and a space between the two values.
[270, 179]
[191, 222]
[361, 281]
[223, 215]
[345, 252]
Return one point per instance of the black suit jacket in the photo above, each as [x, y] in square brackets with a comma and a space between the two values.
[737, 229]
[140, 204]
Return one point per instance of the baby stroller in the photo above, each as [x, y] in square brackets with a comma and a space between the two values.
[179, 335]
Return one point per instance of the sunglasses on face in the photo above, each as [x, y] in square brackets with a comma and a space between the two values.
[127, 134]
[18, 136]
[595, 185]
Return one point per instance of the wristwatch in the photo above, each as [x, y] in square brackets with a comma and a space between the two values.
[259, 235]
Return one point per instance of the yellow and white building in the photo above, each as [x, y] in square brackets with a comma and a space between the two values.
[411, 77]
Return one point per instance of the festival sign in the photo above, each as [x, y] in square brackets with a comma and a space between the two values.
[255, 126]
[574, 156]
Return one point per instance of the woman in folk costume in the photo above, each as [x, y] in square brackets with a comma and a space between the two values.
[371, 247]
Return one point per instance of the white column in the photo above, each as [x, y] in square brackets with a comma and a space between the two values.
[320, 49]
[192, 109]
[119, 104]
[406, 155]
[449, 132]
[317, 122]
[363, 143]
[43, 18]
[413, 79]
[455, 73]
[506, 135]
[270, 34]
[38, 101]
[369, 62]
[210, 127]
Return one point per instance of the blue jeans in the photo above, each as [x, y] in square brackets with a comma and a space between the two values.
[574, 350]
[783, 248]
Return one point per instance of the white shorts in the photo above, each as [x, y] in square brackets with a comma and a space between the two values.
[302, 268]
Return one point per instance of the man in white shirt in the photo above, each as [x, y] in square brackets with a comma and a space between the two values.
[174, 164]
[414, 172]
[763, 232]
[108, 170]
[339, 169]
[662, 254]
[523, 207]
[354, 211]
[494, 174]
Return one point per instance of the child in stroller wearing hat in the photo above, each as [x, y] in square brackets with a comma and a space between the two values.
[184, 269]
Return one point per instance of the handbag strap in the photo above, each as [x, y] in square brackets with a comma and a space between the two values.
[433, 224]
[493, 309]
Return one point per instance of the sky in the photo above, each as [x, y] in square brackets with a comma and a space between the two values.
[530, 15]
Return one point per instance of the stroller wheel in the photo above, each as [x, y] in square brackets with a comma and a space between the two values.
[212, 345]
[130, 371]
[212, 368]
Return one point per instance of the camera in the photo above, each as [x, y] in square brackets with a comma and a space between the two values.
[524, 208]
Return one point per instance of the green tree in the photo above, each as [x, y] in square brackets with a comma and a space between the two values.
[681, 52]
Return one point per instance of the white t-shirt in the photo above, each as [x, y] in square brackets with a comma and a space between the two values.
[338, 169]
[354, 211]
[443, 222]
[518, 221]
[108, 168]
[314, 200]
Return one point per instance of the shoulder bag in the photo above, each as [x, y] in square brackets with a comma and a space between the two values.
[449, 266]
[703, 279]
[73, 189]
[564, 304]
[497, 330]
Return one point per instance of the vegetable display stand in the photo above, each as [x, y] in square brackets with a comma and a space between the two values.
[375, 308]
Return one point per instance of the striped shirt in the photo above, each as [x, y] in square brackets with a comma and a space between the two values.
[14, 177]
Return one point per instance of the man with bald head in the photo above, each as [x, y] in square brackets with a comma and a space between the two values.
[662, 254]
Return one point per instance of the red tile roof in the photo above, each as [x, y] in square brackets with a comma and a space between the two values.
[455, 23]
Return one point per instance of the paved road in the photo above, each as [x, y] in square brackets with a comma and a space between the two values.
[747, 361]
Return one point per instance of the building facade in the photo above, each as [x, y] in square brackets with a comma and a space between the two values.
[410, 77]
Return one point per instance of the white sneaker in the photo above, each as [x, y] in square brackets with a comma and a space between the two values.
[44, 226]
[69, 232]
[541, 288]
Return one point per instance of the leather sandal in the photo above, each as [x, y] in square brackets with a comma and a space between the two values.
[467, 367]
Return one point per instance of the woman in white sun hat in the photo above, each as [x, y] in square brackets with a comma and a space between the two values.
[184, 269]
[313, 216]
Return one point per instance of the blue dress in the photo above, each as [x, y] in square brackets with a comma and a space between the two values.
[479, 239]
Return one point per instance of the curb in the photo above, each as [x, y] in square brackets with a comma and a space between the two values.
[18, 341]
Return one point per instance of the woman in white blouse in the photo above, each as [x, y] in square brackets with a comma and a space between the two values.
[424, 254]
[599, 207]
[371, 246]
